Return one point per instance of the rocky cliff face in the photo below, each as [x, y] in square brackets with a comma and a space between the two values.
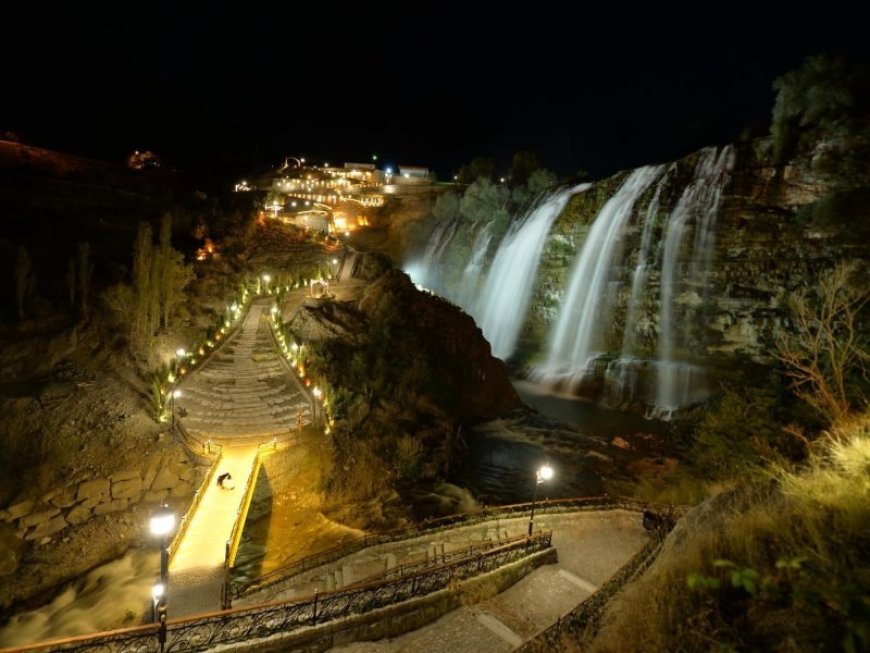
[653, 276]
[777, 229]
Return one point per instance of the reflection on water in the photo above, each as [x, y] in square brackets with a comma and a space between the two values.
[572, 436]
[111, 596]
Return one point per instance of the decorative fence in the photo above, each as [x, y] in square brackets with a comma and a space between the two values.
[604, 502]
[588, 613]
[245, 624]
[241, 515]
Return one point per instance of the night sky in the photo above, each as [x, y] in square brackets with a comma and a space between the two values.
[228, 89]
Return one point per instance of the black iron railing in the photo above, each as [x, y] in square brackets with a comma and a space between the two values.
[604, 502]
[245, 624]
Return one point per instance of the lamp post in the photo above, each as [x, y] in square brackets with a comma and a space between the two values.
[267, 278]
[161, 525]
[544, 473]
[180, 353]
[172, 396]
[318, 397]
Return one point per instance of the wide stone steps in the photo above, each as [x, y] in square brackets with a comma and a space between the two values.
[245, 390]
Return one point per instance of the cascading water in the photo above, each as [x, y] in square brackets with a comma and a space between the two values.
[473, 272]
[502, 304]
[585, 312]
[427, 272]
[679, 382]
[621, 377]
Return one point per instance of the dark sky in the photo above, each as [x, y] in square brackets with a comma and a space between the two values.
[211, 87]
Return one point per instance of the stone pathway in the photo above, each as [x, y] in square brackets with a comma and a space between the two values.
[243, 396]
[591, 547]
[196, 571]
[244, 393]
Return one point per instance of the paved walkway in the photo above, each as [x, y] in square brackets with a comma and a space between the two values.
[591, 547]
[196, 571]
[243, 396]
[244, 393]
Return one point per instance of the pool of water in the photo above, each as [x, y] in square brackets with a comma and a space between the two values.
[572, 436]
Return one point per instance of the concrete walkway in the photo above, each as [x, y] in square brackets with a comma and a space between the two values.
[591, 546]
[196, 571]
[244, 393]
[243, 396]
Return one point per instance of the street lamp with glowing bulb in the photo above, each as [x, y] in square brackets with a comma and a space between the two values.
[161, 524]
[173, 395]
[543, 473]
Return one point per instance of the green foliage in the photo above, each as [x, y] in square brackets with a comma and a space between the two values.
[447, 207]
[818, 94]
[740, 432]
[23, 274]
[479, 168]
[158, 281]
[487, 203]
[777, 566]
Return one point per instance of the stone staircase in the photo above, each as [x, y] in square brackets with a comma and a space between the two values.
[244, 393]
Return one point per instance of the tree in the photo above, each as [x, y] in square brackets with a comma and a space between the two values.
[142, 263]
[825, 352]
[23, 270]
[85, 271]
[486, 202]
[447, 207]
[479, 168]
[818, 94]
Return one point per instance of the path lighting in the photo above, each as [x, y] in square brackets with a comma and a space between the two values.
[544, 473]
[172, 397]
[161, 525]
[157, 592]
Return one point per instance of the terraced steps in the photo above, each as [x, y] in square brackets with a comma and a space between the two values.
[244, 393]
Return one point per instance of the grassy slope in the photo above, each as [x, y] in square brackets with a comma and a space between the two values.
[798, 570]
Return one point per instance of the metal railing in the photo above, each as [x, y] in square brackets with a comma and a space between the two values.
[604, 502]
[245, 624]
[587, 615]
[242, 512]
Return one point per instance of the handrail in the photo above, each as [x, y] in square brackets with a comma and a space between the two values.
[591, 609]
[601, 502]
[191, 510]
[195, 444]
[251, 622]
[242, 512]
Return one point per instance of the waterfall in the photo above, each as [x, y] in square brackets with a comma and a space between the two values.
[427, 272]
[585, 313]
[678, 382]
[501, 306]
[473, 272]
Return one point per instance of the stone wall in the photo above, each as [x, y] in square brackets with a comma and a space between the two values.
[62, 507]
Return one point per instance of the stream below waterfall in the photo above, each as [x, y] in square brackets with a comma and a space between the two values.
[114, 595]
[575, 437]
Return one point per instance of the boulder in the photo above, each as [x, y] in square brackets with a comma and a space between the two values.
[17, 511]
[130, 488]
[125, 475]
[154, 496]
[165, 479]
[64, 499]
[96, 488]
[111, 506]
[46, 528]
[79, 515]
[36, 518]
